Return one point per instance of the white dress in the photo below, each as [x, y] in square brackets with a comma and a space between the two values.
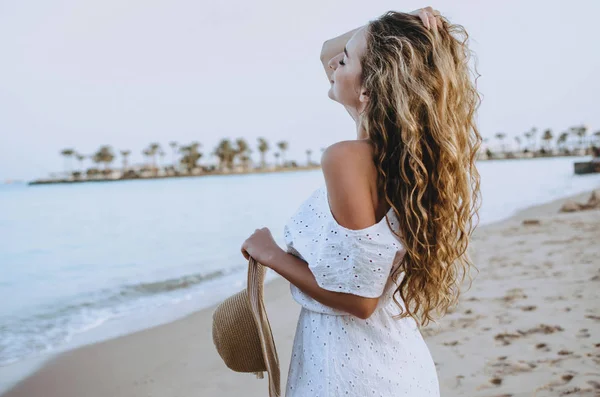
[338, 354]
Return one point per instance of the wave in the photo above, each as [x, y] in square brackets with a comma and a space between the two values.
[168, 285]
[47, 327]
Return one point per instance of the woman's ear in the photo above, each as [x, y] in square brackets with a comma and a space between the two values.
[364, 97]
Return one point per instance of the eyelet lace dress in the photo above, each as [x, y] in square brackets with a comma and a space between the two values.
[335, 353]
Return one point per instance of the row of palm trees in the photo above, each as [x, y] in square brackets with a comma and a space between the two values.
[528, 142]
[185, 158]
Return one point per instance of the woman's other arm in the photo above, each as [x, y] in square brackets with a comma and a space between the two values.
[297, 272]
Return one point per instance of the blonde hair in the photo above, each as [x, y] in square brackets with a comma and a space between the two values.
[420, 118]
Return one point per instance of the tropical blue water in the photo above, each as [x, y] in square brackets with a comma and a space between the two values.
[74, 257]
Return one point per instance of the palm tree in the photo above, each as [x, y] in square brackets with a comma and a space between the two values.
[547, 138]
[225, 153]
[283, 146]
[243, 151]
[530, 135]
[104, 155]
[580, 132]
[174, 146]
[162, 155]
[308, 153]
[276, 154]
[68, 154]
[147, 154]
[125, 154]
[153, 150]
[245, 160]
[191, 155]
[263, 148]
[562, 140]
[500, 136]
[80, 158]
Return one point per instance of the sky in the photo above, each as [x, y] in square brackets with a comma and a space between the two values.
[80, 74]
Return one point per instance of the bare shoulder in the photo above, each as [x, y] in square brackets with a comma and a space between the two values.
[362, 149]
[349, 173]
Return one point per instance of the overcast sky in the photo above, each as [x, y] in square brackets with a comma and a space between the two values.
[80, 74]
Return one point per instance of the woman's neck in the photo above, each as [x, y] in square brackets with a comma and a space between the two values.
[361, 132]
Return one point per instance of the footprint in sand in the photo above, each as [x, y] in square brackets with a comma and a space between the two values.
[453, 343]
[509, 368]
[555, 298]
[567, 377]
[564, 379]
[583, 333]
[594, 384]
[496, 381]
[513, 294]
[531, 222]
[542, 329]
[543, 347]
[528, 308]
[505, 338]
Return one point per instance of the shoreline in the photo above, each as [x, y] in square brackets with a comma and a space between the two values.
[202, 174]
[267, 170]
[178, 347]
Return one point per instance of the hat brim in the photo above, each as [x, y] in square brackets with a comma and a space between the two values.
[256, 277]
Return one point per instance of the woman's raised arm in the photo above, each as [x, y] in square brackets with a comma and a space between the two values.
[333, 47]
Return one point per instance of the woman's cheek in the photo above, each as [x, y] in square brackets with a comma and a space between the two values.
[342, 89]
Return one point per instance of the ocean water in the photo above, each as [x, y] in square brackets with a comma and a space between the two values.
[79, 259]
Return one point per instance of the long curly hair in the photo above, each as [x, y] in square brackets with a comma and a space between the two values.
[420, 118]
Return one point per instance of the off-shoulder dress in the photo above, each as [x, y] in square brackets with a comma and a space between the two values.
[338, 354]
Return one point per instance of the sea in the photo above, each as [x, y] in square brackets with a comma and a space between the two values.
[80, 263]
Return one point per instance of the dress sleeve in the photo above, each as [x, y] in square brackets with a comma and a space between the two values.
[357, 262]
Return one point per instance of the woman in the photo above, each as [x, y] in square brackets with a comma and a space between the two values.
[381, 246]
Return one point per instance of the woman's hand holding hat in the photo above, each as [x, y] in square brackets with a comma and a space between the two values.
[262, 247]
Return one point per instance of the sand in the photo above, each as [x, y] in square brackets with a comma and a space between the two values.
[528, 326]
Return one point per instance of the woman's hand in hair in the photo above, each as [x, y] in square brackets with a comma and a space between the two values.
[428, 16]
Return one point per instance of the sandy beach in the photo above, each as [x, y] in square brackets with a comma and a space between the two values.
[529, 326]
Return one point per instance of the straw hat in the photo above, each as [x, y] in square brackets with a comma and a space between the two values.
[242, 333]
